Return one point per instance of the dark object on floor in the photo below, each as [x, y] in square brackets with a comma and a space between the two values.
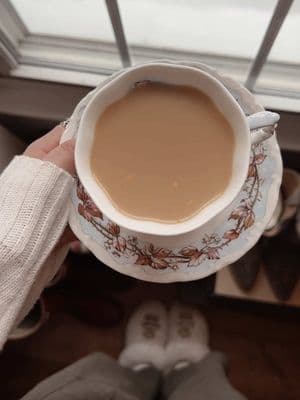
[197, 292]
[31, 323]
[288, 202]
[96, 276]
[98, 311]
[87, 291]
[245, 270]
[281, 256]
[95, 309]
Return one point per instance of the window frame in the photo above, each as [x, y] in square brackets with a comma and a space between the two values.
[39, 62]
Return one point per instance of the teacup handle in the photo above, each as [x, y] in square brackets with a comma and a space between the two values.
[264, 119]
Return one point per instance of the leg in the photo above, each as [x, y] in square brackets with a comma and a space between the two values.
[201, 381]
[193, 371]
[97, 377]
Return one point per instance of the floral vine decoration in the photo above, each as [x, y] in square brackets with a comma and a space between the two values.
[159, 258]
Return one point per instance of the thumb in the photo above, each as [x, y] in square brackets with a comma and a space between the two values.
[66, 238]
[63, 156]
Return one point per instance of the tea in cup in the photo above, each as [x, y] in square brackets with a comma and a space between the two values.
[162, 149]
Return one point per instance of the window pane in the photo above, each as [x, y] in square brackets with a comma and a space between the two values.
[286, 48]
[223, 27]
[83, 19]
[87, 20]
[224, 33]
[286, 52]
[231, 28]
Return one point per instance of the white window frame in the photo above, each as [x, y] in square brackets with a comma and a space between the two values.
[29, 63]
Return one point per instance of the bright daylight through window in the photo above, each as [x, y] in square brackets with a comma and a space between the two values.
[77, 36]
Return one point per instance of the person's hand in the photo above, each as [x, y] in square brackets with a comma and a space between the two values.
[47, 148]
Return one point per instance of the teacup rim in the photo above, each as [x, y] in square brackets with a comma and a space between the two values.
[146, 226]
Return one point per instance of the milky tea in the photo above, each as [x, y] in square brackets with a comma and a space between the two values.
[162, 152]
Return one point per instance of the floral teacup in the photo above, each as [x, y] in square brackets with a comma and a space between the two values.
[199, 253]
[246, 131]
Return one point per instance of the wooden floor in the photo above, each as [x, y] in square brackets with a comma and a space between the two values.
[263, 347]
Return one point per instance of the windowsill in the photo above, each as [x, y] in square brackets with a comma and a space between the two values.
[274, 100]
[50, 101]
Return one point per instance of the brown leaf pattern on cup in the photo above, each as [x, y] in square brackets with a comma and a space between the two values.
[244, 215]
[213, 254]
[119, 243]
[232, 234]
[251, 171]
[190, 251]
[238, 213]
[259, 158]
[143, 259]
[249, 220]
[194, 255]
[114, 229]
[81, 193]
[87, 209]
[159, 258]
[162, 253]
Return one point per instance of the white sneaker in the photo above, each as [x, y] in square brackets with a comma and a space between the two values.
[188, 337]
[146, 335]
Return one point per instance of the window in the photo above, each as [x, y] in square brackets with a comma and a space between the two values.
[82, 41]
[285, 55]
[217, 29]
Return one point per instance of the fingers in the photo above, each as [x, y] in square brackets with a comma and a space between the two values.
[42, 146]
[48, 148]
[67, 237]
[63, 156]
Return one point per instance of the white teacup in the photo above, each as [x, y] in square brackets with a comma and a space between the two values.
[246, 130]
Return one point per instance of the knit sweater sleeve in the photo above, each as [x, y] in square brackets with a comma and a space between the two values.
[33, 215]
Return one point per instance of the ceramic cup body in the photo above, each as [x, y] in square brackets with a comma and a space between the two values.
[246, 132]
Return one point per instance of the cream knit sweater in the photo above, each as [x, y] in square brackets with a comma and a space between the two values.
[33, 215]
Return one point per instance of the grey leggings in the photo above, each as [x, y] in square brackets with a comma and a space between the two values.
[99, 377]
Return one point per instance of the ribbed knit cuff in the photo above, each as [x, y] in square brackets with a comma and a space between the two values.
[33, 215]
[30, 192]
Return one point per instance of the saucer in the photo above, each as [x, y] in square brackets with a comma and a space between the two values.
[194, 255]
